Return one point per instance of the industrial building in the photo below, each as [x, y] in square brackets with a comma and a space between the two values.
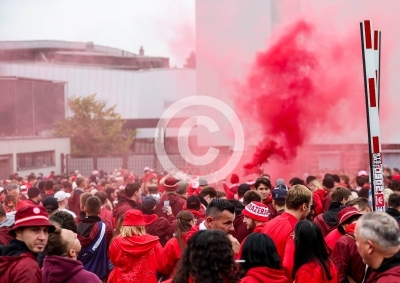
[38, 77]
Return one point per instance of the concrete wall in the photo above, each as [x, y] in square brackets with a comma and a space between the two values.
[26, 145]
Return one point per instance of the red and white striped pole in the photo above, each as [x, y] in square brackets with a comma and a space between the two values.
[377, 55]
[371, 78]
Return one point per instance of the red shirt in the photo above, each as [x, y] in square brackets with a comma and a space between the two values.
[264, 274]
[281, 229]
[332, 238]
[312, 272]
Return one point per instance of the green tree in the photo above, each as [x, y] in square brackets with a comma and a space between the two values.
[93, 128]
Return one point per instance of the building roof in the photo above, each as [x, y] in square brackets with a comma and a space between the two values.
[81, 53]
[14, 78]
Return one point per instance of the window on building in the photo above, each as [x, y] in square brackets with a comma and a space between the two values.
[35, 159]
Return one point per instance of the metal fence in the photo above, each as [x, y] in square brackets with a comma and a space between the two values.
[134, 162]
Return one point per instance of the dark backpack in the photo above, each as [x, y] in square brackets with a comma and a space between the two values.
[94, 256]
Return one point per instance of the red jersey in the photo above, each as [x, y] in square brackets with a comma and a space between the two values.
[281, 229]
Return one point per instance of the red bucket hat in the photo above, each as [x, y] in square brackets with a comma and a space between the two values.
[133, 217]
[32, 216]
[344, 215]
[257, 211]
[170, 184]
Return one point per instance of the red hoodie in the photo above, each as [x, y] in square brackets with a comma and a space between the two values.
[271, 208]
[173, 253]
[264, 274]
[136, 259]
[312, 272]
[318, 197]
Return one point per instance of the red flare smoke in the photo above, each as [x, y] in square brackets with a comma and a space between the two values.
[295, 88]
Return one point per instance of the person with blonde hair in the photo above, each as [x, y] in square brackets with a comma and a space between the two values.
[319, 194]
[136, 256]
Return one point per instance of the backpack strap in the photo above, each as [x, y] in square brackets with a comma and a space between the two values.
[102, 227]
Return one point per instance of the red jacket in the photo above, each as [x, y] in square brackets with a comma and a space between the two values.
[159, 226]
[348, 260]
[281, 229]
[389, 271]
[328, 220]
[5, 237]
[124, 204]
[107, 218]
[173, 253]
[332, 238]
[318, 197]
[327, 200]
[271, 208]
[230, 191]
[241, 231]
[75, 200]
[198, 215]
[18, 264]
[264, 274]
[312, 272]
[136, 259]
[175, 201]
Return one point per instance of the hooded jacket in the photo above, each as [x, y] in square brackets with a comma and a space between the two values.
[58, 269]
[173, 253]
[87, 230]
[394, 213]
[389, 271]
[327, 200]
[241, 231]
[175, 201]
[271, 209]
[318, 197]
[18, 264]
[198, 215]
[332, 238]
[328, 221]
[75, 200]
[5, 228]
[123, 205]
[312, 272]
[348, 260]
[159, 226]
[136, 259]
[264, 274]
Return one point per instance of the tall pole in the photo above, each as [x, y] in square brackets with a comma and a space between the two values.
[368, 38]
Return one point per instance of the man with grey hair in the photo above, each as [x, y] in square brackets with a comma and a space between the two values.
[13, 190]
[378, 242]
[182, 189]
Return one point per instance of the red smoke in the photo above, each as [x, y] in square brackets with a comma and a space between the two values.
[305, 83]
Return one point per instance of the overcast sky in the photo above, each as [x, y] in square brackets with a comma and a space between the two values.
[162, 27]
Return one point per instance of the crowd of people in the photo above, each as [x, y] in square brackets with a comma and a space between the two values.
[118, 227]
